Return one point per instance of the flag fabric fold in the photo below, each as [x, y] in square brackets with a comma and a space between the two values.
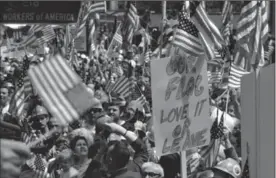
[235, 76]
[204, 24]
[252, 31]
[61, 89]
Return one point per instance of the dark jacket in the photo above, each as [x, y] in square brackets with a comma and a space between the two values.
[126, 173]
[140, 156]
[97, 170]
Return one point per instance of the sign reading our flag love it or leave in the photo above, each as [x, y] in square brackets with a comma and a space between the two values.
[39, 11]
[180, 104]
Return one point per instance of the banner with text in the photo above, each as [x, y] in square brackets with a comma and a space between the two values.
[180, 104]
[39, 11]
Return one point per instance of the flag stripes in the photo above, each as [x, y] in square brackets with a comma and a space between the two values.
[202, 21]
[235, 76]
[52, 79]
[122, 87]
[247, 20]
[118, 38]
[17, 102]
[48, 34]
[133, 16]
[214, 77]
[97, 7]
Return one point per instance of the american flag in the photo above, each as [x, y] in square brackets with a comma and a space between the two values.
[210, 152]
[247, 20]
[97, 7]
[252, 29]
[45, 35]
[209, 51]
[235, 76]
[61, 89]
[122, 87]
[261, 34]
[117, 40]
[147, 56]
[270, 50]
[23, 91]
[137, 95]
[39, 166]
[187, 36]
[131, 23]
[133, 16]
[226, 31]
[204, 23]
[214, 77]
[227, 12]
[33, 31]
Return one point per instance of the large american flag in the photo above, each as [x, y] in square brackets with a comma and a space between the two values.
[61, 89]
[187, 36]
[235, 76]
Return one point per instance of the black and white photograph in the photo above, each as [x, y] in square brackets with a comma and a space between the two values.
[137, 89]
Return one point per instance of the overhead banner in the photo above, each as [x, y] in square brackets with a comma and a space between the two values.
[180, 104]
[51, 12]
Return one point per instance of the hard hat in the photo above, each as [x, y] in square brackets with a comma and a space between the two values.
[229, 166]
[39, 110]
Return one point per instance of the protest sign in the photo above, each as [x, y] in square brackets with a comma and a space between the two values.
[180, 104]
[50, 12]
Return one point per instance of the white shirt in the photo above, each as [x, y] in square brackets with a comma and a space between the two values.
[5, 109]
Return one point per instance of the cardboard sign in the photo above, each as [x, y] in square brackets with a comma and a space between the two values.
[180, 104]
[51, 12]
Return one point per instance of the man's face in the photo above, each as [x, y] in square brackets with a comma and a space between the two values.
[40, 122]
[150, 172]
[2, 76]
[114, 112]
[231, 111]
[4, 93]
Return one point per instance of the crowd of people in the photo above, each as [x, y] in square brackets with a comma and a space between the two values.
[113, 139]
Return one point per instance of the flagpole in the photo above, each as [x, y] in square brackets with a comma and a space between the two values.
[164, 16]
